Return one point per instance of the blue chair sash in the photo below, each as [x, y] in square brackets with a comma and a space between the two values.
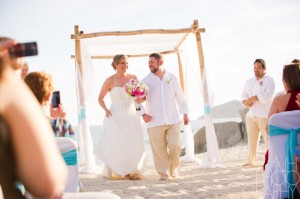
[290, 145]
[70, 157]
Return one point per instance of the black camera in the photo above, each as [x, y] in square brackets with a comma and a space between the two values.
[23, 50]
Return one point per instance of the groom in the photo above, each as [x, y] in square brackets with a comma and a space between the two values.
[162, 118]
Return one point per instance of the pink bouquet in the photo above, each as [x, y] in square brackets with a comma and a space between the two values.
[136, 88]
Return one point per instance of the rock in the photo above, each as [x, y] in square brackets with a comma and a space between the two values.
[228, 109]
[228, 135]
[243, 113]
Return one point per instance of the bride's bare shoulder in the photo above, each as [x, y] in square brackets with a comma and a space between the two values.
[132, 76]
[108, 81]
[111, 78]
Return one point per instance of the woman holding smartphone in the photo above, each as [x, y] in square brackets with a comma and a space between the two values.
[28, 151]
[40, 83]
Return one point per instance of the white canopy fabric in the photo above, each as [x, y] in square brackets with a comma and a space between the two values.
[141, 43]
[133, 44]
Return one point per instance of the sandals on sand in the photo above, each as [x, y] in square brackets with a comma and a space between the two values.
[133, 177]
[166, 179]
[127, 177]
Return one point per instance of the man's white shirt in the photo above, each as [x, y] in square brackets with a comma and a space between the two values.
[164, 99]
[264, 90]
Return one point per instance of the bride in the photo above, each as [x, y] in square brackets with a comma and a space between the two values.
[121, 147]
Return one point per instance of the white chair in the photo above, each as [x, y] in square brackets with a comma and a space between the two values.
[284, 131]
[68, 149]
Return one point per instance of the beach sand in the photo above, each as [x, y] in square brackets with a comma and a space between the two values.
[234, 181]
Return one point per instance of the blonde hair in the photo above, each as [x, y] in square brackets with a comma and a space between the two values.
[117, 59]
[40, 83]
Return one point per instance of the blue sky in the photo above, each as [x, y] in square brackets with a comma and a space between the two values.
[237, 32]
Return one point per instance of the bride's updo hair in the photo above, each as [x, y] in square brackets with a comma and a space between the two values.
[117, 59]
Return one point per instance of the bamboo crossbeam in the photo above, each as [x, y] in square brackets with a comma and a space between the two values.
[136, 32]
[137, 55]
[182, 40]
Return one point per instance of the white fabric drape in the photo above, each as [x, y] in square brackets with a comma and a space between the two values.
[84, 87]
[188, 133]
[189, 144]
[197, 93]
[210, 133]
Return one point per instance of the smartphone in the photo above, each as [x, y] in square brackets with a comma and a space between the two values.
[23, 50]
[55, 99]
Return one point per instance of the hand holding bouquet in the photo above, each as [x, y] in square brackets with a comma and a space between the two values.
[136, 88]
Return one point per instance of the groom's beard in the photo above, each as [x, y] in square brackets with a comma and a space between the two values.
[154, 70]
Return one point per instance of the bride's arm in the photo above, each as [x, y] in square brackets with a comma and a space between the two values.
[104, 90]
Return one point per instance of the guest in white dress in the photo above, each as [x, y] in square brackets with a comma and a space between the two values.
[121, 147]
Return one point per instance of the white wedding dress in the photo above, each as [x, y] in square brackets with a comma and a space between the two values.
[121, 147]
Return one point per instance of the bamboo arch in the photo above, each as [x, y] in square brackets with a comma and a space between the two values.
[193, 29]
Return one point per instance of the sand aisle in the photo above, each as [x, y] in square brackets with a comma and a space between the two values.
[233, 181]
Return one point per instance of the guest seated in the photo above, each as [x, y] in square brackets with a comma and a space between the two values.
[28, 149]
[41, 85]
[27, 144]
[297, 61]
[287, 101]
[291, 82]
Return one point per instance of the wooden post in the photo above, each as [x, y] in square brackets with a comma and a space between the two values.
[181, 78]
[78, 49]
[201, 62]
